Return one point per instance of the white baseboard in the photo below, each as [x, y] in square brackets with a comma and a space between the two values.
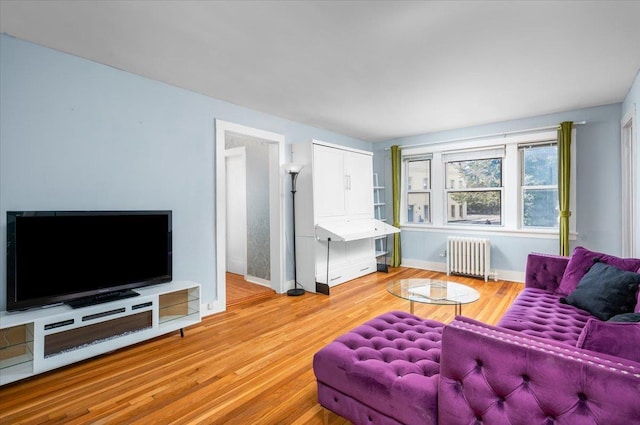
[290, 284]
[424, 265]
[257, 281]
[510, 275]
[214, 307]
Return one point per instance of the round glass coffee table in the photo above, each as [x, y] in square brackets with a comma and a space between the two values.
[432, 291]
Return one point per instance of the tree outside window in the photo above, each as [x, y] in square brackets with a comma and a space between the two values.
[478, 196]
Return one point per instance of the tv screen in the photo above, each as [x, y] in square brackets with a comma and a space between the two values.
[84, 257]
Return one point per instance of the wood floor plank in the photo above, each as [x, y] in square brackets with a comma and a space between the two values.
[249, 365]
[240, 291]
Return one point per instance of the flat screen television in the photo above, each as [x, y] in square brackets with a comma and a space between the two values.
[84, 257]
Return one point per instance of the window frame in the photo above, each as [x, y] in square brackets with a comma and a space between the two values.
[512, 199]
[406, 191]
[523, 187]
[481, 155]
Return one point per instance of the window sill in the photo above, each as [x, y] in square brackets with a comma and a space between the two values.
[488, 230]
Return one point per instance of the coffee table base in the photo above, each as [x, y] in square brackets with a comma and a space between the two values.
[458, 307]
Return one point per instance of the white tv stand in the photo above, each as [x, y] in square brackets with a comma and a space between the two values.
[35, 341]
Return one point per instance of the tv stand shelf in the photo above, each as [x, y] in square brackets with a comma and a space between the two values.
[35, 341]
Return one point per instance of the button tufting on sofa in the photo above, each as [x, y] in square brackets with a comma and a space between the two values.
[526, 370]
[553, 390]
[398, 380]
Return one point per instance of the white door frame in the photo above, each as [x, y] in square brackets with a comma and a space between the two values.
[629, 152]
[276, 202]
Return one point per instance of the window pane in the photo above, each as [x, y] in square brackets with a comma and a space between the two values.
[540, 207]
[540, 166]
[419, 175]
[474, 207]
[418, 210]
[474, 174]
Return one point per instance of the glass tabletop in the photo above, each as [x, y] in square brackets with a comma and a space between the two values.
[432, 291]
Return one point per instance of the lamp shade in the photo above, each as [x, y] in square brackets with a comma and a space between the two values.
[292, 168]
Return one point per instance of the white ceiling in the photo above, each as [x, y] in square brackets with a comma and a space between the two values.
[374, 70]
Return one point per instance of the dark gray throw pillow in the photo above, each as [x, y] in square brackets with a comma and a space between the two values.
[606, 291]
[625, 317]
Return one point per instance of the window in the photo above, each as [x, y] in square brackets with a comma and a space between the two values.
[418, 197]
[539, 185]
[477, 197]
[503, 184]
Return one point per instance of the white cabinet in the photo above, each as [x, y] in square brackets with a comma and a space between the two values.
[330, 182]
[360, 196]
[342, 188]
[347, 260]
[333, 187]
[39, 340]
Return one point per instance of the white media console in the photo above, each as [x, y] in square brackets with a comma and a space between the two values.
[35, 341]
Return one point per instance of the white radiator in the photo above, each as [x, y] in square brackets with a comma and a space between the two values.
[468, 256]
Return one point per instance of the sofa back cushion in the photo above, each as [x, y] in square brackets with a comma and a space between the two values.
[620, 339]
[544, 271]
[582, 260]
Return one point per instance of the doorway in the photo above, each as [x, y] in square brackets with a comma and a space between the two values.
[264, 152]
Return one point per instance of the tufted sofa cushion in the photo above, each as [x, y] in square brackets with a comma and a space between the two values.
[620, 339]
[491, 375]
[539, 313]
[389, 364]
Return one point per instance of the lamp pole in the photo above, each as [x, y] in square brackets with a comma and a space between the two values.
[295, 291]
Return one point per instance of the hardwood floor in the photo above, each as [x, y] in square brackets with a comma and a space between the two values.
[240, 291]
[249, 365]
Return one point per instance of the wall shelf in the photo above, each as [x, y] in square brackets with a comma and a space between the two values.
[378, 211]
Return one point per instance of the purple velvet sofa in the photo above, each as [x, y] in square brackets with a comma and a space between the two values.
[546, 362]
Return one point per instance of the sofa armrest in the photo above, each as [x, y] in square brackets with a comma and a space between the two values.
[544, 271]
[493, 375]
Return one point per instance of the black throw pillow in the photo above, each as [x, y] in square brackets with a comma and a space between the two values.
[625, 317]
[606, 291]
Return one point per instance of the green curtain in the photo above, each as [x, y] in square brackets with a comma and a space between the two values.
[564, 182]
[396, 162]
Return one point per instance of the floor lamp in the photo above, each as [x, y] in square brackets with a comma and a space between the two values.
[294, 170]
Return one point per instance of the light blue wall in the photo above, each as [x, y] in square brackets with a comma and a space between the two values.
[77, 135]
[598, 215]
